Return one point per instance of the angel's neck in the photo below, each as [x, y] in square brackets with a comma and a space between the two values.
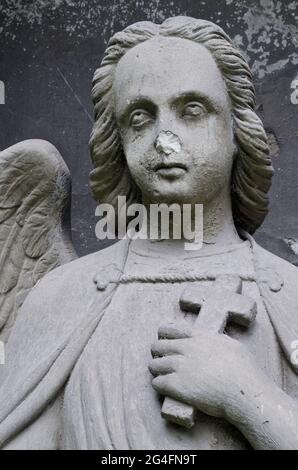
[211, 224]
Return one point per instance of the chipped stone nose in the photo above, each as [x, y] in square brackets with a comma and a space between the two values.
[167, 143]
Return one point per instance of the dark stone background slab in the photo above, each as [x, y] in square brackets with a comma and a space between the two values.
[50, 48]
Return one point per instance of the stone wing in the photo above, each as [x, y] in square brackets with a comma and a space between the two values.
[35, 189]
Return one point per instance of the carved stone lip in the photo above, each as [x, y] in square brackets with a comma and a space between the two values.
[170, 165]
[171, 172]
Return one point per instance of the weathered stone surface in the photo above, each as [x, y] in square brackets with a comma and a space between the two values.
[112, 334]
[57, 45]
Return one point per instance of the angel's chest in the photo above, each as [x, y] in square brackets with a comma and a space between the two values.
[137, 311]
[125, 410]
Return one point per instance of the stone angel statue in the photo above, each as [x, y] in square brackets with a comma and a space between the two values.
[145, 345]
[34, 222]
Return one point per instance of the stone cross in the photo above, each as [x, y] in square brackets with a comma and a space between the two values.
[217, 305]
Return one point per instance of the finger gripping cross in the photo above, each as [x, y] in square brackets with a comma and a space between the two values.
[217, 305]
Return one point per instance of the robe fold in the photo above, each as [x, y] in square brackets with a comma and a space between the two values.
[64, 311]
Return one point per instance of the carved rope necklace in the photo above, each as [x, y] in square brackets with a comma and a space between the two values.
[112, 274]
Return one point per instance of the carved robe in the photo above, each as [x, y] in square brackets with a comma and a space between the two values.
[77, 362]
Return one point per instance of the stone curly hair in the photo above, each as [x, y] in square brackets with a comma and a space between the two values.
[252, 169]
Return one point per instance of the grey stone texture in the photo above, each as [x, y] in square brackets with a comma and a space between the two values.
[50, 49]
[109, 349]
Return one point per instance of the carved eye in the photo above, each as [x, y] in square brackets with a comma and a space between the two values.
[194, 109]
[139, 118]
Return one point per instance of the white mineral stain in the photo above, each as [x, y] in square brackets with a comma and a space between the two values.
[265, 26]
[262, 31]
[293, 244]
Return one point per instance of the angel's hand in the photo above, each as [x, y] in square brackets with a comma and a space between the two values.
[211, 372]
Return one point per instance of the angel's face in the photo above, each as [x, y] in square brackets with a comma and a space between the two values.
[175, 119]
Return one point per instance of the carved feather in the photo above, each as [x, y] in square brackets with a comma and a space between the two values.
[35, 234]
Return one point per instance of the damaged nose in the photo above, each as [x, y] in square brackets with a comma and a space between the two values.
[168, 143]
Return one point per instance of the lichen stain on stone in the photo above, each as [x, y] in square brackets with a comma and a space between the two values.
[266, 31]
[83, 19]
[262, 31]
[266, 25]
